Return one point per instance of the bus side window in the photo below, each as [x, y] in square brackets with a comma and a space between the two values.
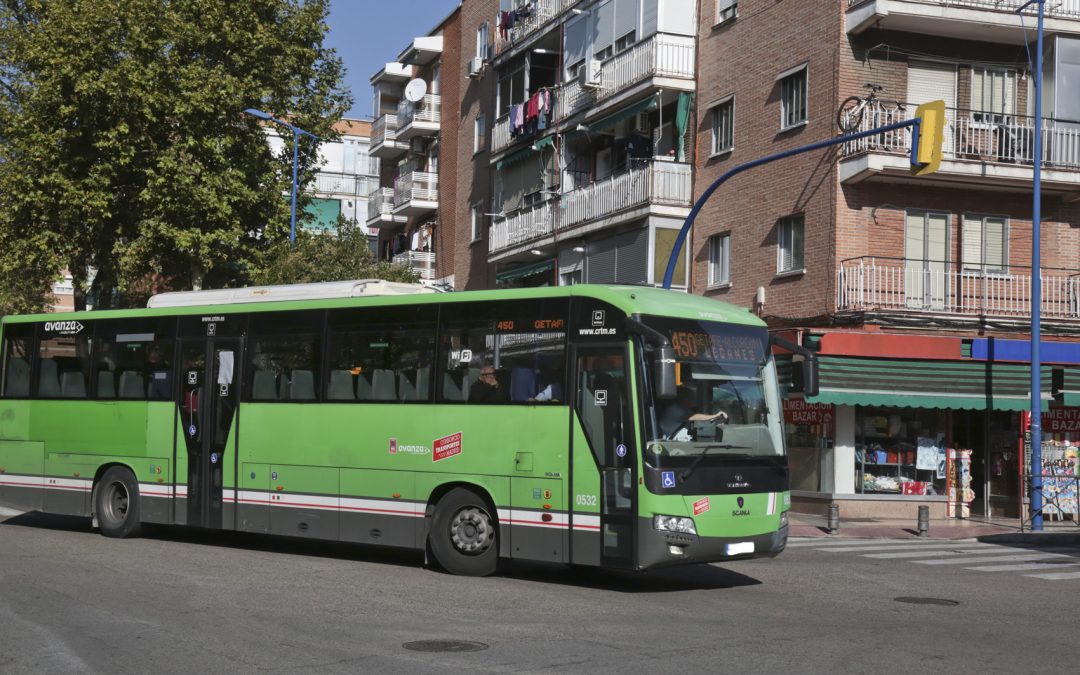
[133, 359]
[18, 355]
[285, 356]
[64, 365]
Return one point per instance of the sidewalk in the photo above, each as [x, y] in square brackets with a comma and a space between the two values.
[806, 525]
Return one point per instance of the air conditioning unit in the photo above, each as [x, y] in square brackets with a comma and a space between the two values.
[476, 66]
[416, 145]
[590, 77]
[641, 124]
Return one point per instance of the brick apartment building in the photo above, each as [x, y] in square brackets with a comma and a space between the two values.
[576, 134]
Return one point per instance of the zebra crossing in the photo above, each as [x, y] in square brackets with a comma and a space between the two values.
[1051, 564]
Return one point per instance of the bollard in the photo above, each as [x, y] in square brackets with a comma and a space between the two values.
[834, 518]
[924, 521]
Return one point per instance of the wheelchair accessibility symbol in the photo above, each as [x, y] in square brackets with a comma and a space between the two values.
[667, 479]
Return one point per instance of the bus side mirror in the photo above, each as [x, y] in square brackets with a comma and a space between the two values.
[809, 377]
[664, 371]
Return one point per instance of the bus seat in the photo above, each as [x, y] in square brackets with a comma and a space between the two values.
[131, 385]
[106, 384]
[341, 386]
[423, 383]
[264, 386]
[363, 388]
[452, 387]
[406, 386]
[522, 384]
[382, 385]
[48, 384]
[283, 386]
[18, 378]
[471, 377]
[303, 386]
[72, 385]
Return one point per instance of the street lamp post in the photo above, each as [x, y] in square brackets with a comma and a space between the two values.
[296, 131]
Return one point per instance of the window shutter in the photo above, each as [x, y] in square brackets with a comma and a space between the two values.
[784, 262]
[626, 17]
[972, 243]
[632, 257]
[601, 262]
[915, 236]
[994, 235]
[603, 31]
[575, 39]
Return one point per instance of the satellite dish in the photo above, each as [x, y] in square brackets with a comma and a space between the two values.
[415, 90]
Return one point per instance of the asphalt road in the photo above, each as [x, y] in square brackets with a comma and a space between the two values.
[72, 601]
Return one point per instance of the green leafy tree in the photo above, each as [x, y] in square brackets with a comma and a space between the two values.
[327, 257]
[124, 148]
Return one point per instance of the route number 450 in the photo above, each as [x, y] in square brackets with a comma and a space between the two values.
[585, 500]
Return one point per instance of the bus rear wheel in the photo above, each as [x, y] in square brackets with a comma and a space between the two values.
[464, 535]
[116, 504]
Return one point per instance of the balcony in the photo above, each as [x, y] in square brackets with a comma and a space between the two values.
[665, 60]
[873, 284]
[522, 226]
[347, 184]
[985, 151]
[628, 195]
[421, 262]
[380, 208]
[416, 193]
[420, 118]
[541, 14]
[983, 20]
[384, 138]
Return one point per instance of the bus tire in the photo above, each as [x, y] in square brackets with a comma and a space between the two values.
[464, 534]
[116, 504]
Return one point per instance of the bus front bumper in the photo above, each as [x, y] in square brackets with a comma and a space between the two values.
[662, 549]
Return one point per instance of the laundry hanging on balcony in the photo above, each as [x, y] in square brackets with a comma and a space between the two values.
[532, 116]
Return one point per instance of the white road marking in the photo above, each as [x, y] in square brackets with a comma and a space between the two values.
[847, 543]
[1004, 558]
[1021, 567]
[1055, 575]
[8, 513]
[963, 549]
[922, 547]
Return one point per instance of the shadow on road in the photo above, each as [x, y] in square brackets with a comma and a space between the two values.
[686, 578]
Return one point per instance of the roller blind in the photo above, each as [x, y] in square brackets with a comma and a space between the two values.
[575, 39]
[626, 17]
[604, 26]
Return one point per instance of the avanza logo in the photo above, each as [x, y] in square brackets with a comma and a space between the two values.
[63, 327]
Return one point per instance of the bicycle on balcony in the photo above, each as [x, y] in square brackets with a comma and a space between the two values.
[850, 115]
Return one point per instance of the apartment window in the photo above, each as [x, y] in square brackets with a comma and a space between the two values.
[605, 53]
[480, 133]
[993, 95]
[793, 89]
[723, 126]
[790, 244]
[477, 221]
[720, 259]
[483, 41]
[726, 10]
[985, 243]
[625, 42]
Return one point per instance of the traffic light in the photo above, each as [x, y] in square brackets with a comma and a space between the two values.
[927, 138]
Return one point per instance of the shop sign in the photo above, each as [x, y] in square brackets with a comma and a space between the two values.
[798, 411]
[1061, 420]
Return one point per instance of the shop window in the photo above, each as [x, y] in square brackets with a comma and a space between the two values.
[134, 359]
[64, 360]
[381, 355]
[284, 353]
[503, 353]
[900, 451]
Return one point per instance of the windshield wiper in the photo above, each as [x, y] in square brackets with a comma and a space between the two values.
[705, 451]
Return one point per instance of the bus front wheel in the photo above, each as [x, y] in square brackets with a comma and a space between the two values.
[464, 534]
[116, 504]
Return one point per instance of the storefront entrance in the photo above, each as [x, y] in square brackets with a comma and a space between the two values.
[994, 437]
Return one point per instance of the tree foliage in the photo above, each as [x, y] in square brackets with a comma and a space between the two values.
[327, 257]
[124, 148]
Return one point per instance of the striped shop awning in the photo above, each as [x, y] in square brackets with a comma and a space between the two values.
[957, 385]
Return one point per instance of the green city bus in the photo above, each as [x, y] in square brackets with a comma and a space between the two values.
[533, 424]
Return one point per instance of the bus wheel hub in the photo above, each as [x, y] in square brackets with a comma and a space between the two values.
[471, 531]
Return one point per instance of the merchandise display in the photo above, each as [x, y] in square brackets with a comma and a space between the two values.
[900, 451]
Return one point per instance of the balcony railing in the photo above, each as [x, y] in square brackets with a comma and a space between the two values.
[976, 136]
[1058, 8]
[416, 185]
[380, 203]
[662, 55]
[523, 225]
[342, 184]
[421, 262]
[384, 129]
[540, 13]
[428, 109]
[907, 285]
[651, 183]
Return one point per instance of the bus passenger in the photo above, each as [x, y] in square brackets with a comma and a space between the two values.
[487, 389]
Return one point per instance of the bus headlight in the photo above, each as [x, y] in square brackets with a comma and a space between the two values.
[783, 520]
[674, 524]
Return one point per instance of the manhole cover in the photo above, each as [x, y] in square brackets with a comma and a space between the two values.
[445, 646]
[927, 601]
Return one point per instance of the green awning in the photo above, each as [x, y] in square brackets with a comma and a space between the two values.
[522, 271]
[682, 117]
[1072, 386]
[524, 153]
[956, 385]
[647, 105]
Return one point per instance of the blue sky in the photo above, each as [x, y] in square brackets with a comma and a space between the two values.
[368, 33]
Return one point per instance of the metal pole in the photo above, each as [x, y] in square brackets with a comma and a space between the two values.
[679, 240]
[834, 518]
[1036, 288]
[924, 520]
[295, 162]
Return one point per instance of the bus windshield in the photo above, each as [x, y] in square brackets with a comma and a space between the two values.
[726, 403]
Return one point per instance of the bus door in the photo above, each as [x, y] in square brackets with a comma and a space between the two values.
[210, 379]
[603, 408]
